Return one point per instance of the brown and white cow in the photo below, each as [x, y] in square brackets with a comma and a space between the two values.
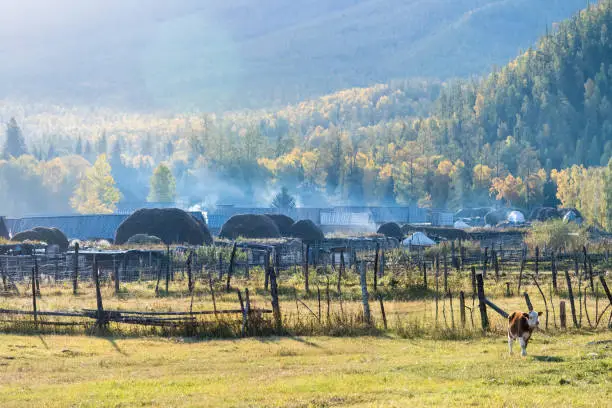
[521, 326]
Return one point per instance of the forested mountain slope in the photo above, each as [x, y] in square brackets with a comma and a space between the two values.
[224, 55]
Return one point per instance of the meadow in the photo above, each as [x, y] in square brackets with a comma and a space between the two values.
[572, 369]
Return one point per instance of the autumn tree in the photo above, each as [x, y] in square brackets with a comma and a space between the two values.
[96, 192]
[163, 185]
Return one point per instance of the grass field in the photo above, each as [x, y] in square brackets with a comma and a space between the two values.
[60, 371]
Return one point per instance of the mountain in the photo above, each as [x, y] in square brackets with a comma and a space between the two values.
[213, 56]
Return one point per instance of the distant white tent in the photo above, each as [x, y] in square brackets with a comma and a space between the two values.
[461, 224]
[418, 239]
[516, 217]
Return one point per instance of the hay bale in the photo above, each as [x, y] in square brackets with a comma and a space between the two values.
[391, 229]
[28, 235]
[495, 217]
[306, 230]
[171, 225]
[144, 239]
[249, 226]
[3, 229]
[283, 222]
[544, 214]
[50, 236]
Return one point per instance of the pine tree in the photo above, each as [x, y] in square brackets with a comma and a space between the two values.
[283, 200]
[163, 185]
[15, 143]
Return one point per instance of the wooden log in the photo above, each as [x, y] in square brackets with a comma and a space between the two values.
[230, 270]
[462, 308]
[562, 315]
[100, 317]
[275, 303]
[34, 296]
[528, 301]
[498, 309]
[571, 298]
[364, 294]
[382, 310]
[482, 302]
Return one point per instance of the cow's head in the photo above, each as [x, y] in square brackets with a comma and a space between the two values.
[532, 318]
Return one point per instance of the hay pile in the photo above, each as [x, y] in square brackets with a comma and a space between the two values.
[249, 226]
[544, 214]
[144, 239]
[392, 230]
[171, 225]
[283, 222]
[495, 217]
[51, 236]
[306, 230]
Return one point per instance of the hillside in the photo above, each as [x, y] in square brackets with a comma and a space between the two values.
[210, 55]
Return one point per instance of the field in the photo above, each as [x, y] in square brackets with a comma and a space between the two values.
[58, 371]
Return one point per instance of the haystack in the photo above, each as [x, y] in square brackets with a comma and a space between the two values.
[51, 236]
[171, 225]
[283, 222]
[544, 214]
[495, 217]
[306, 230]
[144, 239]
[249, 226]
[391, 229]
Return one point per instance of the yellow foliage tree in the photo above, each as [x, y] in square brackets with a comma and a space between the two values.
[96, 192]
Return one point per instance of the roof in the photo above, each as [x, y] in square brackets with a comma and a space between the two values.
[82, 227]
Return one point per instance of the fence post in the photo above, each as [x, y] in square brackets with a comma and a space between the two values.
[231, 268]
[100, 315]
[462, 308]
[473, 280]
[495, 264]
[481, 303]
[562, 315]
[528, 301]
[437, 281]
[587, 270]
[382, 310]
[244, 314]
[485, 262]
[267, 270]
[375, 277]
[340, 271]
[606, 289]
[537, 261]
[445, 273]
[37, 276]
[553, 266]
[364, 293]
[520, 280]
[34, 296]
[305, 270]
[275, 305]
[425, 274]
[168, 268]
[571, 297]
[116, 275]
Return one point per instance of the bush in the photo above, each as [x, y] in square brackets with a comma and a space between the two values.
[171, 225]
[249, 226]
[555, 235]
